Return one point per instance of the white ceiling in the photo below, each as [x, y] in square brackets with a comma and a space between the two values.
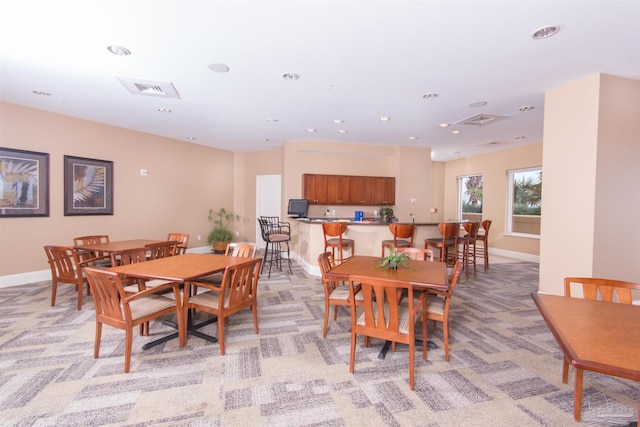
[357, 61]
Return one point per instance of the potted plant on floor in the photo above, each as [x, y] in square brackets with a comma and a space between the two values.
[221, 234]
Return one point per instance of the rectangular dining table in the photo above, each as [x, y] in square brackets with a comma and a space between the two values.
[121, 245]
[421, 275]
[594, 335]
[181, 268]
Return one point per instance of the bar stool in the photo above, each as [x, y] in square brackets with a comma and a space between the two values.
[402, 231]
[333, 238]
[482, 251]
[468, 253]
[448, 241]
[274, 236]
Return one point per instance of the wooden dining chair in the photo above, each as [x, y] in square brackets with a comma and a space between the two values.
[418, 254]
[245, 250]
[101, 259]
[438, 304]
[447, 244]
[336, 293]
[119, 309]
[400, 232]
[67, 267]
[239, 290]
[162, 249]
[383, 317]
[606, 290]
[183, 242]
[333, 239]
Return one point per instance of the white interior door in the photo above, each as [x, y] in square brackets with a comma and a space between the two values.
[268, 200]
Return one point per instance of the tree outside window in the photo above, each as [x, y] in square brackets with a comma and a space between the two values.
[525, 201]
[470, 197]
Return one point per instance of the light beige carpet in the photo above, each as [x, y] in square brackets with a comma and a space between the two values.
[505, 367]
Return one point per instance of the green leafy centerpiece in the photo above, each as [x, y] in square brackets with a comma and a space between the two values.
[391, 261]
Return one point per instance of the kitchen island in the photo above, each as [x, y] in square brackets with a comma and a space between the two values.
[307, 239]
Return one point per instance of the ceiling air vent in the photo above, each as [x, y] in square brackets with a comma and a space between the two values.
[481, 119]
[155, 88]
[493, 144]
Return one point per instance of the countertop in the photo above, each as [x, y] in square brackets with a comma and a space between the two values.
[366, 221]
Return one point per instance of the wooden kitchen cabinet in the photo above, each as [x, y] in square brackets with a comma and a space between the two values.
[314, 188]
[348, 190]
[384, 191]
[338, 190]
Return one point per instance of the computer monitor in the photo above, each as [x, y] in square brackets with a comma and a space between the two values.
[298, 208]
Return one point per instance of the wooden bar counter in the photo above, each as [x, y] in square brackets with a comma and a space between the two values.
[308, 242]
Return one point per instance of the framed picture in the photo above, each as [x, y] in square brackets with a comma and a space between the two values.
[24, 183]
[88, 186]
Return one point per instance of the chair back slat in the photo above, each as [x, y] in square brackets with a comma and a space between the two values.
[608, 290]
[108, 294]
[183, 242]
[162, 249]
[418, 254]
[244, 250]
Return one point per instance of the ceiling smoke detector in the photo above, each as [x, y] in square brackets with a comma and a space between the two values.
[155, 88]
[481, 119]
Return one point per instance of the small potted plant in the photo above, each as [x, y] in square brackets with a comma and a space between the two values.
[221, 233]
[391, 261]
[386, 214]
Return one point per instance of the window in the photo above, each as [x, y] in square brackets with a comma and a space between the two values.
[470, 198]
[525, 202]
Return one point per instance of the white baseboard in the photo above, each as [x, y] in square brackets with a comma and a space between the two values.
[312, 269]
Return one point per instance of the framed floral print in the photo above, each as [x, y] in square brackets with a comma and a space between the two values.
[88, 186]
[24, 183]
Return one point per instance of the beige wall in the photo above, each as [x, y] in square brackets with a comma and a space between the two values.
[591, 176]
[494, 167]
[184, 180]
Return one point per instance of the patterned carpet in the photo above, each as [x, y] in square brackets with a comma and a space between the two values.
[505, 367]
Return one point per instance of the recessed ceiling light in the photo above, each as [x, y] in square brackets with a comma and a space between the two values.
[444, 125]
[272, 120]
[338, 121]
[520, 137]
[191, 138]
[385, 119]
[342, 131]
[455, 132]
[219, 68]
[456, 152]
[264, 139]
[290, 76]
[430, 95]
[164, 110]
[478, 104]
[413, 138]
[526, 108]
[119, 50]
[39, 92]
[311, 130]
[545, 32]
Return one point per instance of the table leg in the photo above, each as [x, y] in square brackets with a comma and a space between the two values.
[577, 392]
[191, 330]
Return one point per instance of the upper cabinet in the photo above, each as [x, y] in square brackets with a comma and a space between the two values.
[348, 190]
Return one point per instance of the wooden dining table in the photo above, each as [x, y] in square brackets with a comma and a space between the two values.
[421, 275]
[594, 335]
[181, 268]
[110, 247]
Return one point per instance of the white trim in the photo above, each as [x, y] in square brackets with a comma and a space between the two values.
[312, 269]
[515, 255]
[24, 278]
